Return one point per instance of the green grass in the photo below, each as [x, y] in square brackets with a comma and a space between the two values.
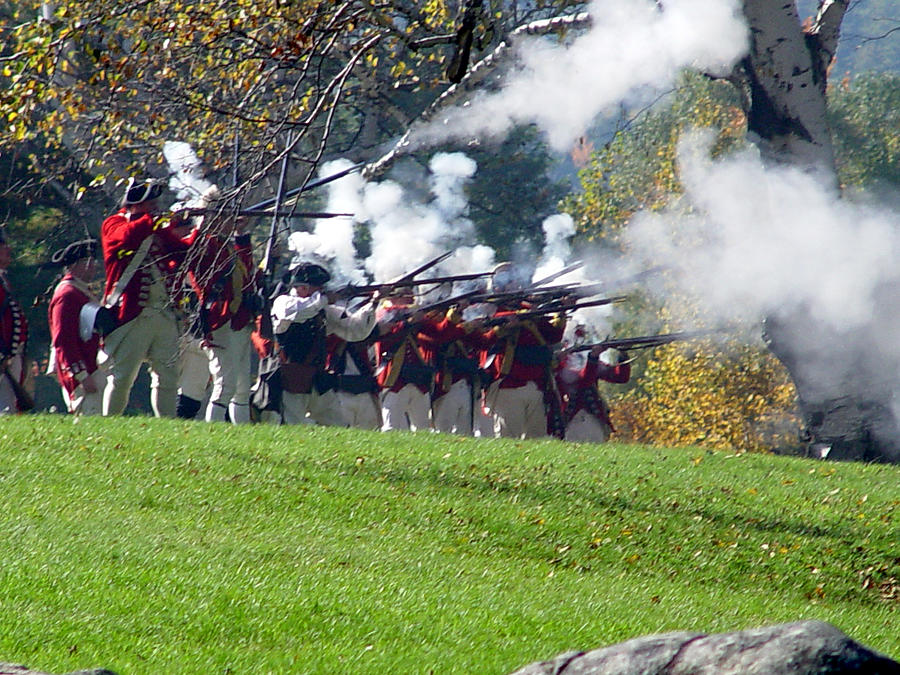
[149, 546]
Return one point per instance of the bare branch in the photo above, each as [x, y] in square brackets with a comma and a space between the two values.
[473, 78]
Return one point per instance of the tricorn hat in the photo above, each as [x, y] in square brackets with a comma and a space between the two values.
[138, 191]
[310, 274]
[507, 277]
[86, 248]
[402, 291]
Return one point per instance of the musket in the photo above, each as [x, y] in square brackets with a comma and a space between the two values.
[562, 290]
[254, 213]
[642, 342]
[406, 278]
[446, 302]
[553, 277]
[279, 199]
[352, 291]
[536, 294]
[439, 305]
[555, 308]
[268, 262]
[559, 306]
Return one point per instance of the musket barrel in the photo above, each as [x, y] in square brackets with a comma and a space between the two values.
[351, 290]
[309, 186]
[643, 342]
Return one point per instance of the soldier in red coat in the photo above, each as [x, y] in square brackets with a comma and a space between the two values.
[406, 348]
[586, 413]
[459, 380]
[522, 397]
[141, 255]
[74, 331]
[223, 277]
[13, 338]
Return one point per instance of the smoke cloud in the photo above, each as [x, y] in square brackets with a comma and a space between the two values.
[405, 231]
[186, 174]
[765, 240]
[631, 53]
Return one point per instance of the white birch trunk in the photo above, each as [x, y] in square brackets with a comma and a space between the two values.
[787, 68]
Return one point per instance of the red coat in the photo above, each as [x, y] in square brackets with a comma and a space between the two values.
[412, 347]
[75, 358]
[261, 337]
[220, 274]
[578, 389]
[508, 363]
[122, 236]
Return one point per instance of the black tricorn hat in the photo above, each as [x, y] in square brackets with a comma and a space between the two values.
[310, 274]
[138, 191]
[400, 292]
[68, 255]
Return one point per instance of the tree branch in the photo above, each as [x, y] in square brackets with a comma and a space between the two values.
[475, 76]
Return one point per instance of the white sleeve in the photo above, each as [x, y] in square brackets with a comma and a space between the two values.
[288, 309]
[350, 327]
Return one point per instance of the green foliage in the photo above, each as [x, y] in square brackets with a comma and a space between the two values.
[700, 394]
[741, 398]
[636, 170]
[150, 546]
[110, 80]
[512, 194]
[864, 116]
[32, 236]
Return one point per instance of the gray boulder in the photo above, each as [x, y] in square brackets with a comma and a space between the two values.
[803, 648]
[17, 669]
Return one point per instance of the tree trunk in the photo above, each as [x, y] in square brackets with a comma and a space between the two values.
[842, 381]
[787, 79]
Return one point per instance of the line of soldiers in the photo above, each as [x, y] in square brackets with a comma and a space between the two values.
[397, 365]
[489, 369]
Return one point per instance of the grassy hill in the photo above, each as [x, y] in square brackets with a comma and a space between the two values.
[149, 546]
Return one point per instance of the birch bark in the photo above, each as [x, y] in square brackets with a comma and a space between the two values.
[786, 72]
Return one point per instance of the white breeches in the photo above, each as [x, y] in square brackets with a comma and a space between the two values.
[360, 410]
[193, 379]
[312, 408]
[229, 366]
[518, 412]
[585, 428]
[452, 412]
[153, 337]
[405, 410]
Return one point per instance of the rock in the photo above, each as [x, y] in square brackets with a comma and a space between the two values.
[803, 648]
[16, 669]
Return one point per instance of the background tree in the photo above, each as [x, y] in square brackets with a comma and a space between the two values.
[717, 393]
[847, 402]
[864, 116]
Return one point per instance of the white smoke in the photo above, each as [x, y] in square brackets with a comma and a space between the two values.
[186, 175]
[761, 239]
[558, 230]
[405, 231]
[332, 239]
[632, 52]
[560, 86]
